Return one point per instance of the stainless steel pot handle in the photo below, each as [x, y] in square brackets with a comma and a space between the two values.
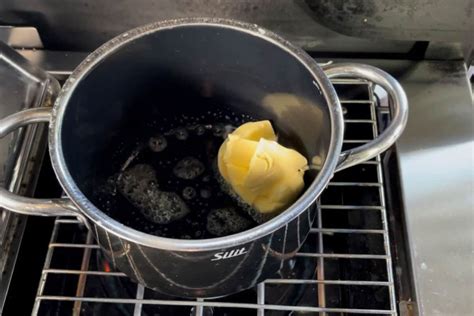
[399, 102]
[25, 205]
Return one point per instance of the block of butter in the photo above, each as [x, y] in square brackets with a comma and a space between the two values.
[265, 174]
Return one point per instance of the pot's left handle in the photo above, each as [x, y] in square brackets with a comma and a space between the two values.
[25, 205]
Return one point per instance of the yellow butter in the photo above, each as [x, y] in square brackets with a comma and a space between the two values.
[256, 131]
[262, 172]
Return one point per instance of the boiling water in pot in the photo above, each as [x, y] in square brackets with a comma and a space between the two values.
[168, 183]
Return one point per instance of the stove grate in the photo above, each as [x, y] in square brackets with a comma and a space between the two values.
[347, 252]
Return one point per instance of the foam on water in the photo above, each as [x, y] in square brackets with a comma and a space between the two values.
[139, 185]
[225, 221]
[188, 168]
[138, 178]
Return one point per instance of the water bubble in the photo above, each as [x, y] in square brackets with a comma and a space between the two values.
[200, 130]
[218, 130]
[205, 193]
[225, 221]
[227, 130]
[157, 143]
[189, 193]
[188, 168]
[181, 133]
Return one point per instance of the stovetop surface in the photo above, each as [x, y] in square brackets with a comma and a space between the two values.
[433, 231]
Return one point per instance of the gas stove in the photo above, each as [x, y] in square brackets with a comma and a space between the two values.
[382, 243]
[345, 265]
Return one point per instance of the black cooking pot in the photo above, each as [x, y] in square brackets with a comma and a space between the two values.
[176, 67]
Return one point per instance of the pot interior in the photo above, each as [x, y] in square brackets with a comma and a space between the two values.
[184, 78]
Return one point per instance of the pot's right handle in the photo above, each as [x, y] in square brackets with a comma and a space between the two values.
[399, 102]
[25, 205]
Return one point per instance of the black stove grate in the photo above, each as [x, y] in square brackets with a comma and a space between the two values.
[344, 267]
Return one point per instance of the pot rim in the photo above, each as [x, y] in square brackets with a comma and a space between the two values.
[115, 227]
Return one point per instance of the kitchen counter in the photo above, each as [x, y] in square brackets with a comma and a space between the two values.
[435, 156]
[436, 165]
